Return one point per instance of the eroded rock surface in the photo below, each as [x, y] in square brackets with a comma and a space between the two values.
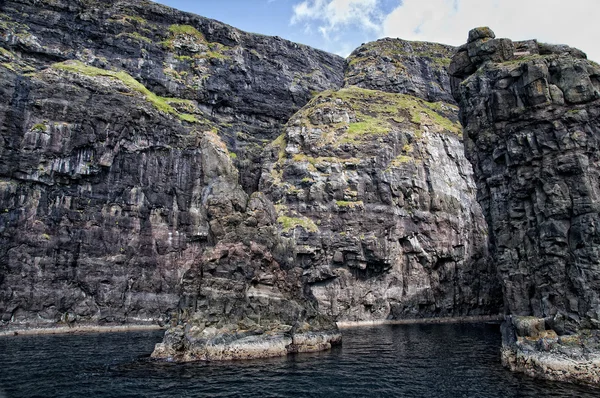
[94, 224]
[248, 84]
[404, 67]
[372, 183]
[133, 141]
[531, 114]
[112, 151]
[376, 192]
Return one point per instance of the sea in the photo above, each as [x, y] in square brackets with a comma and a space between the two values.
[452, 360]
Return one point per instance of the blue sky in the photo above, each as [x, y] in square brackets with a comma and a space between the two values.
[339, 26]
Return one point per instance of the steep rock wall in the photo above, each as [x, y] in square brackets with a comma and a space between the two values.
[121, 202]
[531, 114]
[101, 200]
[375, 189]
[112, 113]
[248, 84]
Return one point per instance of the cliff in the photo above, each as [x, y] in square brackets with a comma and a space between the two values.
[247, 83]
[404, 67]
[531, 115]
[101, 165]
[160, 167]
[374, 188]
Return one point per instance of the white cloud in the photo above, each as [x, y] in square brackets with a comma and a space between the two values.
[335, 15]
[572, 22]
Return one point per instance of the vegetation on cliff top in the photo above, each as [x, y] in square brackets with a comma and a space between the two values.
[377, 112]
[160, 103]
[397, 49]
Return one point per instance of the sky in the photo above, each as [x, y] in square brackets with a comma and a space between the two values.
[340, 26]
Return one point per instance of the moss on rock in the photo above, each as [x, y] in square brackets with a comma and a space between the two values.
[160, 103]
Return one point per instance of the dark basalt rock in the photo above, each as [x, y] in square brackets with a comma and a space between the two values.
[94, 226]
[531, 115]
[403, 67]
[113, 182]
[248, 84]
[134, 139]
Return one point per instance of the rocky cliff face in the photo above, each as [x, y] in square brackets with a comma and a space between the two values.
[104, 172]
[135, 138]
[531, 114]
[374, 188]
[246, 83]
[405, 67]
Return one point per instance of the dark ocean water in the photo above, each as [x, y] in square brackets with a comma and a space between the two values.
[384, 361]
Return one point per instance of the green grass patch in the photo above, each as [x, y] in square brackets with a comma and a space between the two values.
[39, 127]
[184, 58]
[215, 50]
[186, 30]
[6, 53]
[402, 159]
[369, 125]
[347, 204]
[216, 55]
[160, 103]
[135, 36]
[280, 144]
[289, 223]
[188, 118]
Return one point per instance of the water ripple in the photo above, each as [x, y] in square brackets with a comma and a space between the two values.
[384, 361]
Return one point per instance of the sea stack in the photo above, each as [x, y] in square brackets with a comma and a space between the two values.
[531, 118]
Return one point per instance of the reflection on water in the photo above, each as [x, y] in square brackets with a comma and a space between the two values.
[386, 361]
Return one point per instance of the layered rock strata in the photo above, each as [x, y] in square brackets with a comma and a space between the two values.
[133, 146]
[375, 190]
[531, 115]
[102, 194]
[248, 84]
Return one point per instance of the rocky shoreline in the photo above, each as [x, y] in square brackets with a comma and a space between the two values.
[531, 349]
[423, 321]
[79, 329]
[239, 345]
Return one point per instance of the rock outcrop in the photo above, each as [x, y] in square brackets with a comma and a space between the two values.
[531, 115]
[374, 188]
[400, 66]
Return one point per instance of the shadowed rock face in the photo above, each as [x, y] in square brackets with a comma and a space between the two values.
[531, 115]
[109, 161]
[93, 227]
